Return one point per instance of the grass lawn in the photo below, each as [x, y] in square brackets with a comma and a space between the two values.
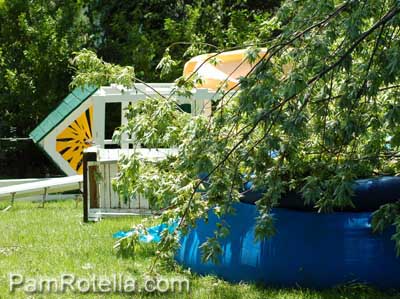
[50, 241]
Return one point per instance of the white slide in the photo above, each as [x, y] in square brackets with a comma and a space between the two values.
[42, 187]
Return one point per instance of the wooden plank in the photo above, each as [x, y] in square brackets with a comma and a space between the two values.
[119, 201]
[96, 214]
[124, 121]
[100, 186]
[134, 201]
[89, 155]
[99, 110]
[114, 194]
[144, 203]
[109, 187]
[93, 198]
[154, 154]
[106, 199]
[123, 204]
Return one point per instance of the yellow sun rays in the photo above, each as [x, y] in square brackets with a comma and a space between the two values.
[74, 139]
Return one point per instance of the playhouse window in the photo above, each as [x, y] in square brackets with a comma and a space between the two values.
[112, 119]
[186, 107]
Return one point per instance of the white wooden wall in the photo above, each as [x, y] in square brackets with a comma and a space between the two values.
[200, 104]
[109, 202]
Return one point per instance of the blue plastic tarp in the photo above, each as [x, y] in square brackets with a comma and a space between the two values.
[152, 234]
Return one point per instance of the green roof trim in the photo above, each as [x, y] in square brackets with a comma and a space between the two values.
[65, 108]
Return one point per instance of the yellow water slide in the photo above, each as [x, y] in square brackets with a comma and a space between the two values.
[217, 69]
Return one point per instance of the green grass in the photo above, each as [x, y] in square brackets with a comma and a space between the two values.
[49, 241]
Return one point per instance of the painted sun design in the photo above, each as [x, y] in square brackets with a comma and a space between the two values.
[74, 139]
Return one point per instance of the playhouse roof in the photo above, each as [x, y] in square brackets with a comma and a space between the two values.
[66, 107]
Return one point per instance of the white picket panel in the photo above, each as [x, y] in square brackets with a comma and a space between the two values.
[110, 203]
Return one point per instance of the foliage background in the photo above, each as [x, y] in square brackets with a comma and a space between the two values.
[38, 38]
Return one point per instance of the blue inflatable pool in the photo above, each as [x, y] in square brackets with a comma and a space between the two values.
[309, 250]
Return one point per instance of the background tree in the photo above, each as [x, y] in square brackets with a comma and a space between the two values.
[138, 32]
[37, 39]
